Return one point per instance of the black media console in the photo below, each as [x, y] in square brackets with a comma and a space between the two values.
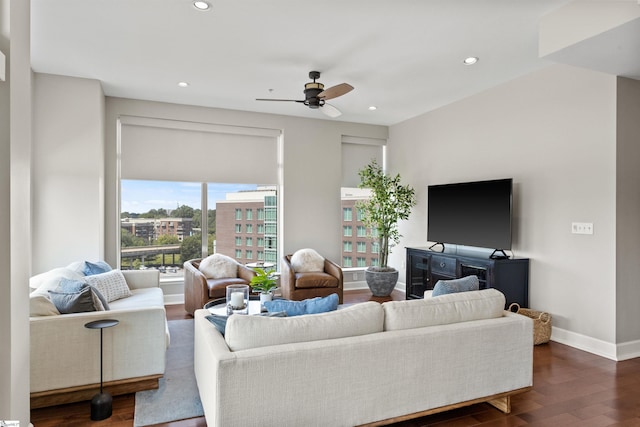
[425, 267]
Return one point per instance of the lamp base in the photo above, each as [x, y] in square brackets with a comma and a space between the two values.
[101, 406]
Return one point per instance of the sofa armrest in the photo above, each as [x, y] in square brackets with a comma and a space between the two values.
[66, 354]
[139, 279]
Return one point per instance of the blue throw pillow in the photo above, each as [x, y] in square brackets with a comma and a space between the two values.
[307, 306]
[71, 286]
[75, 302]
[443, 287]
[93, 268]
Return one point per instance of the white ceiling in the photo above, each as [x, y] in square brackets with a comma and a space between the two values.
[403, 56]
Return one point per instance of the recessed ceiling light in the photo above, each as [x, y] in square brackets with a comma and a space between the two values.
[373, 107]
[470, 60]
[201, 5]
[183, 84]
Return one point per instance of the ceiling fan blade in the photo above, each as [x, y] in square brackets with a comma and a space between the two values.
[335, 91]
[330, 110]
[284, 100]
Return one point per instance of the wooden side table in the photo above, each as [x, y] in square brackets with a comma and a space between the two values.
[101, 404]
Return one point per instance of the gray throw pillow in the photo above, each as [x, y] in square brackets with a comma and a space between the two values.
[69, 286]
[468, 283]
[78, 302]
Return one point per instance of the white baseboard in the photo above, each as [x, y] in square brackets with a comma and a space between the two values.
[583, 342]
[352, 286]
[629, 350]
[174, 299]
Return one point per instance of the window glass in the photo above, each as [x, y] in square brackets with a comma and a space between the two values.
[347, 214]
[249, 241]
[238, 241]
[249, 214]
[238, 214]
[346, 246]
[347, 231]
[346, 261]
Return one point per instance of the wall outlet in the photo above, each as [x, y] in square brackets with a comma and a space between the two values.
[582, 228]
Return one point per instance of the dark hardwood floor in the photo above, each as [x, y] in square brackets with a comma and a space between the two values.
[570, 388]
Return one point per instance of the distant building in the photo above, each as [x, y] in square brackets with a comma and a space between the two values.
[246, 225]
[150, 229]
[358, 250]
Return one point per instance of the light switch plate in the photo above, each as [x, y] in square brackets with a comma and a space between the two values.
[582, 228]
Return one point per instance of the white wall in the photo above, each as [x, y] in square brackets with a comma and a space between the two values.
[628, 212]
[554, 133]
[68, 165]
[15, 151]
[312, 168]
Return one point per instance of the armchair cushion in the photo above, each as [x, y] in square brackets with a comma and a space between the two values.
[315, 280]
[218, 266]
[306, 261]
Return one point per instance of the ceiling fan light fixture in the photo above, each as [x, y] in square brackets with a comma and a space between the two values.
[470, 60]
[201, 5]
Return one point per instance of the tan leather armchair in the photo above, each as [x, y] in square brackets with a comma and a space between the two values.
[299, 286]
[198, 290]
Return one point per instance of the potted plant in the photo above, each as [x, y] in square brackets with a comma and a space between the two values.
[264, 282]
[390, 202]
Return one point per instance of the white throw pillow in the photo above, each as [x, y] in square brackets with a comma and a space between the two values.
[307, 261]
[40, 305]
[218, 266]
[112, 285]
[55, 274]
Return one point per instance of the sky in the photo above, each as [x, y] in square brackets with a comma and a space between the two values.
[142, 196]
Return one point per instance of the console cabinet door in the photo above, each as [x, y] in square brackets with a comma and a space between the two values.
[418, 275]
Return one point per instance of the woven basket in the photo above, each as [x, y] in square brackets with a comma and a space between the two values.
[541, 323]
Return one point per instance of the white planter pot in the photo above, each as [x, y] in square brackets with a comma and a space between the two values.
[265, 297]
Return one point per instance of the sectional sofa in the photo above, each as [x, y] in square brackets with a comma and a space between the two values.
[363, 364]
[65, 355]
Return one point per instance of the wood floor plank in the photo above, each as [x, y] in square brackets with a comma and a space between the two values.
[570, 388]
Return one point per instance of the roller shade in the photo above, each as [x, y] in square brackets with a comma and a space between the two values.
[358, 152]
[155, 149]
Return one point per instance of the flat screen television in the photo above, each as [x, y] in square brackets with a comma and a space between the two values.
[471, 214]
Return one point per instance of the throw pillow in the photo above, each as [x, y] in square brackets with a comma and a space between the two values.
[443, 287]
[218, 266]
[70, 286]
[99, 267]
[112, 285]
[220, 322]
[307, 306]
[78, 302]
[40, 305]
[307, 261]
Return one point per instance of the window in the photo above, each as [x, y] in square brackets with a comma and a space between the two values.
[346, 261]
[238, 228]
[238, 214]
[249, 241]
[260, 212]
[347, 214]
[249, 228]
[261, 242]
[361, 231]
[249, 254]
[375, 262]
[375, 247]
[360, 215]
[347, 231]
[361, 262]
[249, 214]
[362, 247]
[260, 228]
[238, 241]
[238, 253]
[260, 255]
[346, 246]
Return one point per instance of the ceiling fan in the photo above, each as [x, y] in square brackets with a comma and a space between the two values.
[315, 95]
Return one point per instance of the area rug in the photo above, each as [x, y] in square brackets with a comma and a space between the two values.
[177, 396]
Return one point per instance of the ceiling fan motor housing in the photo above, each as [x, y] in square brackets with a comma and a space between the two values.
[311, 91]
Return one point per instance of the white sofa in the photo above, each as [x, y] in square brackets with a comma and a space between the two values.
[363, 364]
[65, 356]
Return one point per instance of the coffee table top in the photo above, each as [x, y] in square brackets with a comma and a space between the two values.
[219, 306]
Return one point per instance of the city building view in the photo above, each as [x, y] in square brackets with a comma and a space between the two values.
[242, 225]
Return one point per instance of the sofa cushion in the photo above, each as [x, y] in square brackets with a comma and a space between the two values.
[306, 261]
[70, 285]
[245, 332]
[53, 275]
[92, 268]
[112, 285]
[445, 309]
[40, 305]
[307, 306]
[73, 302]
[218, 266]
[464, 284]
